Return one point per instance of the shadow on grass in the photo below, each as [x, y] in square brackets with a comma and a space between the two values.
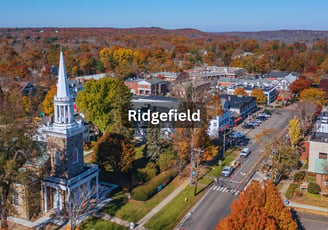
[204, 188]
[119, 200]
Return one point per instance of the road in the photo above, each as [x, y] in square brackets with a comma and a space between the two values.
[308, 221]
[216, 202]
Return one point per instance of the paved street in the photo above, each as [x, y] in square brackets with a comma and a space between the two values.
[215, 204]
[309, 221]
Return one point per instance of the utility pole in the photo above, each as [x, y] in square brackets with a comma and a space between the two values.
[199, 151]
[273, 163]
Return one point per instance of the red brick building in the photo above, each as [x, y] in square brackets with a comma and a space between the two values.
[151, 87]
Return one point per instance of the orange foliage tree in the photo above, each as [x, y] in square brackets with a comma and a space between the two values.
[258, 208]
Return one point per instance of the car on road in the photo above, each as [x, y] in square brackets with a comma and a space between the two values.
[247, 126]
[227, 171]
[245, 152]
[265, 115]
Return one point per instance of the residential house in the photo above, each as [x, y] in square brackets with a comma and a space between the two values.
[214, 72]
[318, 150]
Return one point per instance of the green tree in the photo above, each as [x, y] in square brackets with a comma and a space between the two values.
[153, 148]
[105, 103]
[259, 95]
[294, 130]
[113, 151]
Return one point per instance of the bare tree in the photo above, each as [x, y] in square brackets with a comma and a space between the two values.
[83, 202]
[306, 113]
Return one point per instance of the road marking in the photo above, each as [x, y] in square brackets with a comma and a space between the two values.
[224, 189]
[236, 182]
[214, 187]
[221, 189]
[311, 220]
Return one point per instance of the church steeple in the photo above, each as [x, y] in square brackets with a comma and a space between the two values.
[63, 103]
[63, 87]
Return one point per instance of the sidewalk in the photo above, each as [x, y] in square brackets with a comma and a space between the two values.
[161, 205]
[283, 190]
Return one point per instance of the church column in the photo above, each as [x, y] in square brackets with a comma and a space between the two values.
[57, 201]
[97, 187]
[69, 202]
[45, 197]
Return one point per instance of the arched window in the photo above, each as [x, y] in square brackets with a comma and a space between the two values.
[76, 155]
[57, 157]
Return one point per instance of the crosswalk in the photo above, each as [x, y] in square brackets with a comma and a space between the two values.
[220, 188]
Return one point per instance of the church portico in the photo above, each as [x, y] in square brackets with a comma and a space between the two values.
[57, 192]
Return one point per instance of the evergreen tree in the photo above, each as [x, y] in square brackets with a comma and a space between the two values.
[154, 146]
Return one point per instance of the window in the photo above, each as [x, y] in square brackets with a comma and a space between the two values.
[15, 197]
[57, 157]
[76, 156]
[323, 156]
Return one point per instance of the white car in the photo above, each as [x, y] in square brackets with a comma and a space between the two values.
[245, 152]
[227, 170]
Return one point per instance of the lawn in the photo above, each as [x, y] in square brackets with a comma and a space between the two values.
[312, 199]
[99, 224]
[133, 210]
[172, 213]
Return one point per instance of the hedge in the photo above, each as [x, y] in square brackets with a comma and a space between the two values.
[290, 191]
[299, 176]
[147, 190]
[314, 188]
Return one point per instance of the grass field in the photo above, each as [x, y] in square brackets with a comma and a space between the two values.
[99, 224]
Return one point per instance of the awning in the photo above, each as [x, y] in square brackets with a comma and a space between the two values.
[238, 119]
[224, 128]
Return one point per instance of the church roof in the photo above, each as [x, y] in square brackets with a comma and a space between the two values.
[63, 86]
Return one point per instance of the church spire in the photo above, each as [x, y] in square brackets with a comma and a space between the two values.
[63, 87]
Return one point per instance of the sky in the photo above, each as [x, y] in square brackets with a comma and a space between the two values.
[204, 15]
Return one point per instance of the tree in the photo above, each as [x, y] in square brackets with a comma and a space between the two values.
[294, 130]
[114, 151]
[316, 96]
[105, 103]
[299, 85]
[16, 147]
[48, 102]
[258, 208]
[153, 148]
[259, 95]
[306, 113]
[286, 158]
[214, 106]
[240, 91]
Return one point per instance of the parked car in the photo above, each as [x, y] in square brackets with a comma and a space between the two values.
[227, 171]
[245, 152]
[262, 118]
[236, 135]
[265, 115]
[247, 126]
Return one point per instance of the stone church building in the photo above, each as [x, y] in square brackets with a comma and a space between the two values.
[63, 175]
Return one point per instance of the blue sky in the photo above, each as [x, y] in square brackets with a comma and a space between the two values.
[205, 15]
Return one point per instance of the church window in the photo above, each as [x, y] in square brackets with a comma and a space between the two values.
[57, 157]
[15, 197]
[76, 156]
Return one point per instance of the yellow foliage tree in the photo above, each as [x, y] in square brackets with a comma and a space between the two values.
[294, 130]
[240, 91]
[317, 96]
[48, 102]
[259, 95]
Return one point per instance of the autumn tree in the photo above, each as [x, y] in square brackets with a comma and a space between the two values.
[258, 208]
[48, 102]
[306, 113]
[299, 85]
[105, 103]
[259, 95]
[314, 95]
[240, 91]
[113, 151]
[214, 106]
[286, 158]
[294, 130]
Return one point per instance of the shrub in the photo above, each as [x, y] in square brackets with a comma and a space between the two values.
[314, 188]
[290, 191]
[147, 190]
[299, 176]
[166, 160]
[145, 174]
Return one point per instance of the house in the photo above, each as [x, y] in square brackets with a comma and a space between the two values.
[318, 150]
[166, 76]
[147, 87]
[61, 169]
[178, 90]
[276, 75]
[220, 123]
[269, 91]
[240, 106]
